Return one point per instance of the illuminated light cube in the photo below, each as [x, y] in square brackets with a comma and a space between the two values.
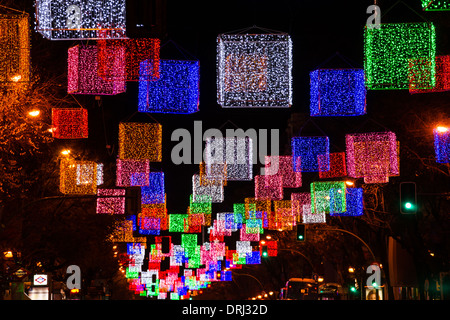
[244, 236]
[236, 153]
[82, 77]
[243, 247]
[337, 165]
[111, 205]
[436, 5]
[283, 166]
[284, 217]
[78, 177]
[442, 75]
[305, 153]
[195, 222]
[269, 187]
[15, 62]
[388, 50]
[70, 123]
[149, 225]
[216, 192]
[216, 176]
[297, 202]
[354, 203]
[136, 51]
[372, 156]
[442, 144]
[178, 222]
[309, 217]
[81, 19]
[254, 70]
[202, 204]
[131, 173]
[157, 210]
[337, 92]
[140, 141]
[253, 258]
[323, 191]
[176, 91]
[253, 205]
[154, 193]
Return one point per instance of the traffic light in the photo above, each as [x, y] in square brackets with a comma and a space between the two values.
[301, 232]
[408, 198]
[264, 251]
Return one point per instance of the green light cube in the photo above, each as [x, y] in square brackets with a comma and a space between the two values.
[389, 49]
[436, 5]
[328, 196]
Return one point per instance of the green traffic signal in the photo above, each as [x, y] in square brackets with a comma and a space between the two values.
[353, 289]
[408, 197]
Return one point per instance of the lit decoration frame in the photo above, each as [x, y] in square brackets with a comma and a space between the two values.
[254, 70]
[81, 19]
[418, 69]
[354, 203]
[82, 76]
[70, 123]
[132, 173]
[388, 50]
[177, 90]
[297, 202]
[215, 191]
[132, 52]
[283, 166]
[269, 187]
[140, 141]
[372, 156]
[337, 92]
[442, 144]
[337, 165]
[436, 5]
[236, 153]
[306, 150]
[154, 193]
[15, 60]
[111, 205]
[308, 217]
[78, 177]
[322, 193]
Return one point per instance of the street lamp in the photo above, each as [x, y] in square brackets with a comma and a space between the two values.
[65, 152]
[34, 113]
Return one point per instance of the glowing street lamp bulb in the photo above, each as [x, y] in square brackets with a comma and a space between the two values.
[34, 113]
[16, 78]
[441, 129]
[65, 152]
[349, 183]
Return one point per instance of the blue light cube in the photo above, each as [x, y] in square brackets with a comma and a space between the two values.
[176, 91]
[305, 153]
[337, 92]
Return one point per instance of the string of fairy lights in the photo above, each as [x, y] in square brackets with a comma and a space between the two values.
[253, 70]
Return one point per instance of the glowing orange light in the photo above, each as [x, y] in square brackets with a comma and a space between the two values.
[65, 152]
[34, 113]
[16, 78]
[441, 129]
